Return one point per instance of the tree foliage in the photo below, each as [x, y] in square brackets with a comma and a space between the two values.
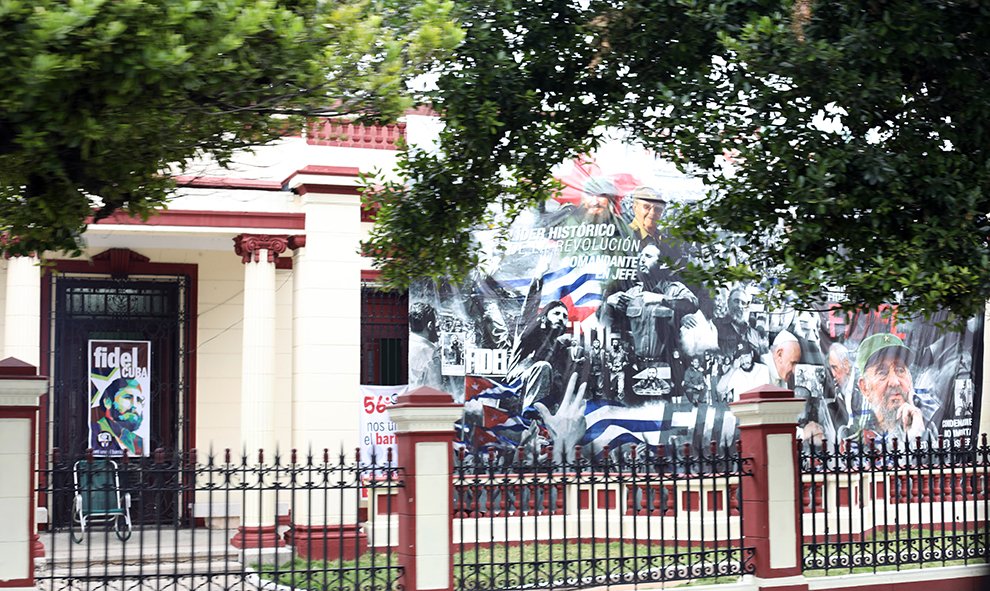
[858, 134]
[103, 97]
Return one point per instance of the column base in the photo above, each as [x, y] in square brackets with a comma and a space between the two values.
[37, 548]
[327, 542]
[263, 536]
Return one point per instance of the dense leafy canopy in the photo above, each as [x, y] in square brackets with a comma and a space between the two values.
[858, 134]
[101, 97]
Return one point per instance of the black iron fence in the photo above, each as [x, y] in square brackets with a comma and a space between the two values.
[647, 515]
[891, 505]
[296, 520]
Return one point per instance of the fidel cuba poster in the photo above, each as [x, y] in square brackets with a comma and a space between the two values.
[119, 397]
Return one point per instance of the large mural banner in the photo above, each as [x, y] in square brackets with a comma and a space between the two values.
[577, 330]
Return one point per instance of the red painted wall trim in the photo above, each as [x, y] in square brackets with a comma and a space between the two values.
[218, 219]
[304, 188]
[316, 169]
[370, 275]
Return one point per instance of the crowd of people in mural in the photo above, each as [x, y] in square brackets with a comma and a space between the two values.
[578, 331]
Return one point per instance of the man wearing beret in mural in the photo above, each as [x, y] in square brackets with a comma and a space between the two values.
[596, 200]
[887, 386]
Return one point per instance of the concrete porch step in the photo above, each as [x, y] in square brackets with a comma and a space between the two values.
[133, 571]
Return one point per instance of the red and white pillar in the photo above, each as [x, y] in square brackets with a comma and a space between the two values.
[20, 389]
[424, 426]
[767, 426]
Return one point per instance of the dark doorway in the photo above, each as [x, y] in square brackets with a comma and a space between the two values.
[152, 310]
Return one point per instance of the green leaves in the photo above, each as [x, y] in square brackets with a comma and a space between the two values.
[888, 200]
[102, 97]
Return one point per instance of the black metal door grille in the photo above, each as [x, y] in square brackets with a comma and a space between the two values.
[96, 308]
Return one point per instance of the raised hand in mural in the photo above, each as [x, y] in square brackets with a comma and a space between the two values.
[567, 425]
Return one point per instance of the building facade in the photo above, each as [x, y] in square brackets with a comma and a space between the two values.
[249, 291]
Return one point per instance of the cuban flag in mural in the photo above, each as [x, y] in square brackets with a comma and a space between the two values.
[489, 391]
[579, 288]
[491, 425]
[612, 424]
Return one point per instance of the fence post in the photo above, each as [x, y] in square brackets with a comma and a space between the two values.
[767, 429]
[424, 429]
[20, 387]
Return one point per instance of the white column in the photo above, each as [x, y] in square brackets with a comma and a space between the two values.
[22, 313]
[258, 356]
[327, 326]
[258, 254]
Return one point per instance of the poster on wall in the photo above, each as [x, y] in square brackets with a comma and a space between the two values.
[119, 397]
[586, 291]
[377, 431]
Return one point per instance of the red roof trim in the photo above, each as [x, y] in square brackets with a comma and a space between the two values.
[370, 275]
[330, 170]
[316, 170]
[304, 188]
[218, 219]
[221, 182]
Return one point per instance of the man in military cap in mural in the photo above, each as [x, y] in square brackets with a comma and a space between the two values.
[648, 206]
[887, 387]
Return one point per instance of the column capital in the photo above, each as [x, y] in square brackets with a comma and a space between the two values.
[249, 246]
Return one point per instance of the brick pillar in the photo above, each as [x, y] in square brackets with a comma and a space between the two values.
[424, 428]
[20, 388]
[767, 428]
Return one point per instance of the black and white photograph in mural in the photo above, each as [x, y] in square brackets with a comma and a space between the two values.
[119, 391]
[587, 287]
